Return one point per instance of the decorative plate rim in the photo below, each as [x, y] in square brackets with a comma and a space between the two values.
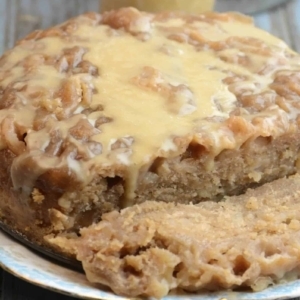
[35, 269]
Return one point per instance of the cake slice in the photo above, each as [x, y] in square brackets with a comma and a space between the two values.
[252, 240]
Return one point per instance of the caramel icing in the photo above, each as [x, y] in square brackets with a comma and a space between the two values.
[106, 95]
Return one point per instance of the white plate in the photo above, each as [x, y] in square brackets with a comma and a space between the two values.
[37, 270]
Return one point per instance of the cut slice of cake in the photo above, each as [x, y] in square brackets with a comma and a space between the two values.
[252, 240]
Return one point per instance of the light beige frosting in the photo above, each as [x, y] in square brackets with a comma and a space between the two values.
[106, 95]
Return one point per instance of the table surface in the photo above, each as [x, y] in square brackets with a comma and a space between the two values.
[20, 17]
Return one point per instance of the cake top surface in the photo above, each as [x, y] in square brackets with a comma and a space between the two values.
[107, 94]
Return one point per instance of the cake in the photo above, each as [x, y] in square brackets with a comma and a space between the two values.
[108, 111]
[251, 240]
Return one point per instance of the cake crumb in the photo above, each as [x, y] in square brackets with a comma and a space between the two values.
[37, 196]
[252, 203]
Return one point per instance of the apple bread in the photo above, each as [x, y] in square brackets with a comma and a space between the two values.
[251, 240]
[107, 111]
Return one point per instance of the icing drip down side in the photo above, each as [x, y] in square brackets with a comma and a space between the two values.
[105, 95]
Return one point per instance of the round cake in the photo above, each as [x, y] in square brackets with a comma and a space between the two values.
[107, 111]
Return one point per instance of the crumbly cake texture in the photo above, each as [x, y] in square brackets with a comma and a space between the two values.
[107, 111]
[252, 240]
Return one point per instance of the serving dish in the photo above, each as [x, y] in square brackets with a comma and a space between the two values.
[30, 266]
